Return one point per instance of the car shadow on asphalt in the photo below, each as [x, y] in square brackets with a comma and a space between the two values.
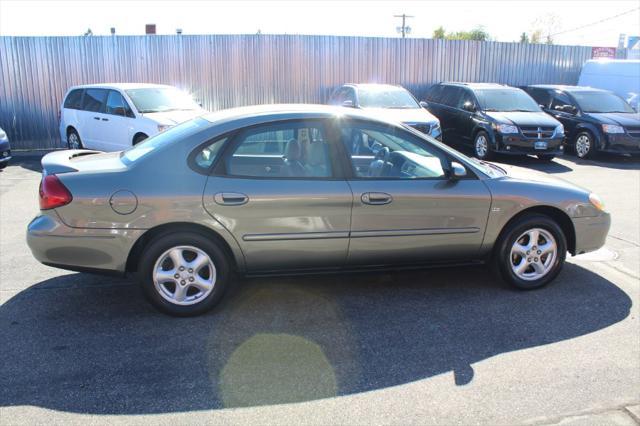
[90, 344]
[608, 161]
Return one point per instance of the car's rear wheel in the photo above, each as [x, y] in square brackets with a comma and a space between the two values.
[546, 158]
[481, 147]
[183, 274]
[139, 138]
[73, 140]
[584, 147]
[531, 252]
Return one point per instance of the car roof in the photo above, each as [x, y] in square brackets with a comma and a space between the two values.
[120, 86]
[566, 88]
[477, 85]
[374, 86]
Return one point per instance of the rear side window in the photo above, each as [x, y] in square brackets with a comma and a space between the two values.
[74, 99]
[207, 155]
[286, 150]
[94, 99]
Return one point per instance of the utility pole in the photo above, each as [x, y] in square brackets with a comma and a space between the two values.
[404, 29]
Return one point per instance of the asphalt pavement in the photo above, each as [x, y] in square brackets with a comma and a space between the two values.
[439, 346]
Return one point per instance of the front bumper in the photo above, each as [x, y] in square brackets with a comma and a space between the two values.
[621, 144]
[5, 151]
[591, 232]
[519, 145]
[80, 249]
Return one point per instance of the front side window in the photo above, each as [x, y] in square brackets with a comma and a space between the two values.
[386, 97]
[601, 102]
[74, 99]
[161, 99]
[388, 152]
[506, 100]
[451, 96]
[116, 104]
[541, 96]
[94, 99]
[561, 102]
[285, 150]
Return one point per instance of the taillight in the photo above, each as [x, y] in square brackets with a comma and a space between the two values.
[53, 193]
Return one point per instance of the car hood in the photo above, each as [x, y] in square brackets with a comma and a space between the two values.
[622, 118]
[523, 118]
[174, 117]
[409, 115]
[528, 175]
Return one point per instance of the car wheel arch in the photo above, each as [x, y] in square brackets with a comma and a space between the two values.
[560, 217]
[172, 228]
[595, 135]
[487, 130]
[70, 129]
[138, 135]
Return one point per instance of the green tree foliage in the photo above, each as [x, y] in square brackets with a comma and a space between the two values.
[478, 33]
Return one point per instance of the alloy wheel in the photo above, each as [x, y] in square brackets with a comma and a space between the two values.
[533, 254]
[583, 146]
[482, 146]
[74, 141]
[184, 275]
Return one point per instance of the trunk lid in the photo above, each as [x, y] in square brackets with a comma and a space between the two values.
[78, 160]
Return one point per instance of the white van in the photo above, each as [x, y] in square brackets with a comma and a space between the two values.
[112, 117]
[620, 76]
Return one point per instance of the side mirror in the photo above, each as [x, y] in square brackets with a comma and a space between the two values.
[469, 106]
[457, 170]
[348, 104]
[542, 106]
[424, 104]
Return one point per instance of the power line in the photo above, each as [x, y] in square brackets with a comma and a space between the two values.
[596, 22]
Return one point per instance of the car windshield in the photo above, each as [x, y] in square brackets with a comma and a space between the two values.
[601, 102]
[161, 99]
[168, 137]
[506, 100]
[386, 98]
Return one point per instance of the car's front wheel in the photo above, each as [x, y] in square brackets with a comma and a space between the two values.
[481, 147]
[183, 274]
[546, 158]
[531, 252]
[584, 146]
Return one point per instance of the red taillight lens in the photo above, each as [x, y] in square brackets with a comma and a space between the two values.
[53, 193]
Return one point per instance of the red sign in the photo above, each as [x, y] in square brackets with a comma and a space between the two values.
[603, 52]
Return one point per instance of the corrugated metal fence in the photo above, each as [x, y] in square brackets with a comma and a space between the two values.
[224, 71]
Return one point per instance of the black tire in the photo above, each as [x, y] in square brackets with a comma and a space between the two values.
[72, 133]
[485, 154]
[581, 138]
[546, 158]
[139, 138]
[3, 165]
[502, 258]
[155, 250]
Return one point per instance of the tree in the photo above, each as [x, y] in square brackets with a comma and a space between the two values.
[439, 33]
[536, 36]
[524, 38]
[88, 32]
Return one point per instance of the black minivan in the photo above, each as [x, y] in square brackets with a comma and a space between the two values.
[494, 118]
[594, 120]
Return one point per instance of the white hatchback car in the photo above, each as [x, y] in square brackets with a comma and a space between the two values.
[113, 117]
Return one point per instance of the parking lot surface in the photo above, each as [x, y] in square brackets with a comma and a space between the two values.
[439, 346]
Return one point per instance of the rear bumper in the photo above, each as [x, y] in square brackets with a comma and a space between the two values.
[621, 144]
[520, 145]
[591, 232]
[80, 249]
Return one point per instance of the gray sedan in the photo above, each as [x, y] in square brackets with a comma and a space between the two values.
[290, 189]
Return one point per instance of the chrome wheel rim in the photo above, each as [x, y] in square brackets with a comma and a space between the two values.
[481, 146]
[583, 145]
[533, 254]
[74, 141]
[184, 275]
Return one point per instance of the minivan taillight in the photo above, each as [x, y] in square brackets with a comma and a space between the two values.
[53, 193]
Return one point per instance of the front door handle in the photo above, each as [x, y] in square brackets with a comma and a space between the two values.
[230, 198]
[105, 119]
[96, 118]
[376, 198]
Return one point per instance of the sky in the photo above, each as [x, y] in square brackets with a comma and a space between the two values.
[503, 20]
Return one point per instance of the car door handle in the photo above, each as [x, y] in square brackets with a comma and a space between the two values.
[230, 199]
[376, 198]
[105, 119]
[96, 118]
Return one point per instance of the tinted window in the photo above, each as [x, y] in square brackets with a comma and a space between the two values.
[94, 99]
[388, 152]
[343, 94]
[160, 99]
[601, 102]
[451, 96]
[560, 100]
[296, 149]
[207, 155]
[506, 99]
[74, 99]
[386, 97]
[465, 96]
[541, 96]
[434, 94]
[116, 104]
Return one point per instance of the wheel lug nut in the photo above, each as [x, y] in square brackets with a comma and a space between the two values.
[535, 260]
[190, 270]
[191, 279]
[528, 252]
[182, 282]
[539, 252]
[181, 268]
[528, 259]
[176, 276]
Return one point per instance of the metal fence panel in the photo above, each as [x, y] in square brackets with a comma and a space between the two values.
[224, 71]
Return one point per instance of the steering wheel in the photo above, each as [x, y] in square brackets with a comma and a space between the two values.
[379, 162]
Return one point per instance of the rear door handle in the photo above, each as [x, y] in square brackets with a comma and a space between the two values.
[230, 198]
[96, 118]
[376, 198]
[105, 119]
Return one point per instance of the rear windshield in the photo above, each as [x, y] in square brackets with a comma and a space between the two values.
[386, 98]
[168, 137]
[600, 102]
[161, 99]
[506, 100]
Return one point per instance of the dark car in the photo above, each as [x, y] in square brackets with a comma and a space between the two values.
[494, 118]
[5, 150]
[595, 120]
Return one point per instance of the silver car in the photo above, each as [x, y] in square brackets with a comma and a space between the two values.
[286, 189]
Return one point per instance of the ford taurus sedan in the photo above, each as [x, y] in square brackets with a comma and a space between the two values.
[279, 189]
